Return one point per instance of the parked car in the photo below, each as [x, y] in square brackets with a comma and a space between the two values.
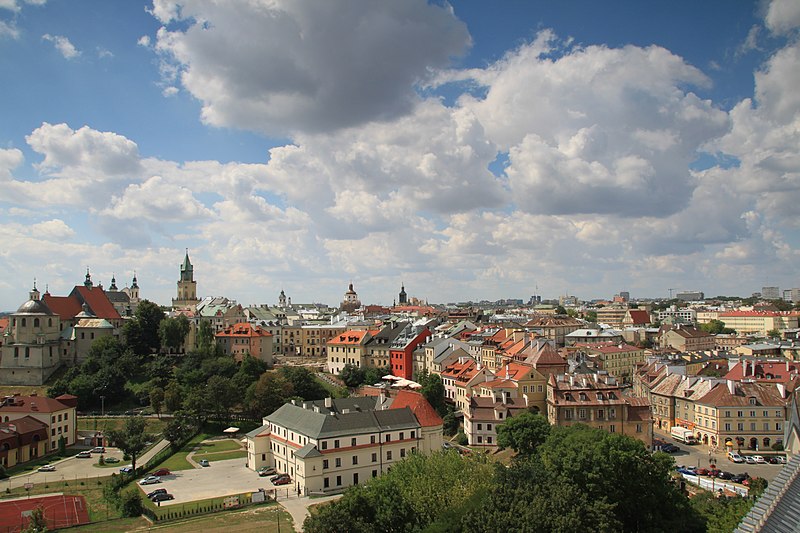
[47, 468]
[266, 471]
[735, 457]
[669, 448]
[739, 478]
[276, 477]
[162, 472]
[84, 455]
[724, 475]
[164, 496]
[781, 459]
[282, 480]
[151, 495]
[110, 460]
[98, 449]
[759, 459]
[150, 480]
[749, 459]
[203, 462]
[126, 469]
[702, 471]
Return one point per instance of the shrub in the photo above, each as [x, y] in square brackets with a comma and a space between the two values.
[778, 446]
[131, 503]
[462, 439]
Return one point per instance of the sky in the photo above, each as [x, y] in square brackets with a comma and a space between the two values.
[469, 150]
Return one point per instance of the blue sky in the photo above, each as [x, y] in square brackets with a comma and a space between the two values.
[470, 150]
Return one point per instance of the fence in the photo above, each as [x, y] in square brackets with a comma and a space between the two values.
[177, 512]
[714, 484]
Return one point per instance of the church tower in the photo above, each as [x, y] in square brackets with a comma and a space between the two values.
[282, 299]
[187, 286]
[403, 297]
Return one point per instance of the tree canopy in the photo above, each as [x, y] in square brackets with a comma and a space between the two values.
[523, 433]
[131, 439]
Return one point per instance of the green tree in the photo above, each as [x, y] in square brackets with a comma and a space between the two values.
[131, 438]
[591, 316]
[352, 375]
[560, 310]
[205, 335]
[222, 396]
[720, 514]
[62, 446]
[433, 390]
[715, 327]
[250, 369]
[757, 486]
[450, 423]
[268, 393]
[142, 333]
[523, 433]
[172, 332]
[774, 334]
[131, 502]
[157, 400]
[304, 383]
[173, 396]
[177, 430]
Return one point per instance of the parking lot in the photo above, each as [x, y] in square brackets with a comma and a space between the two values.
[222, 478]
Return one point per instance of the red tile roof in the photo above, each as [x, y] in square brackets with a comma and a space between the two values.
[639, 316]
[3, 324]
[349, 337]
[243, 329]
[425, 413]
[64, 306]
[96, 299]
[33, 404]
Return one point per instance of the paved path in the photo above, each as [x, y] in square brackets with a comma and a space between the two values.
[298, 507]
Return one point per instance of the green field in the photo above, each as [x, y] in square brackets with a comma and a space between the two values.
[178, 460]
[152, 425]
[217, 446]
[223, 456]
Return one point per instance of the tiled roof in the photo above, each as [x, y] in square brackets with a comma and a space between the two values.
[33, 404]
[423, 410]
[639, 316]
[351, 337]
[97, 301]
[766, 394]
[243, 329]
[64, 306]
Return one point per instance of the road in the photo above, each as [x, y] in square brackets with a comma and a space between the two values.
[698, 456]
[76, 469]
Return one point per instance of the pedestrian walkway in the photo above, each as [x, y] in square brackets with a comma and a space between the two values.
[298, 507]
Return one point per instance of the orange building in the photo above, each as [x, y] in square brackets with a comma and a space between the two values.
[243, 338]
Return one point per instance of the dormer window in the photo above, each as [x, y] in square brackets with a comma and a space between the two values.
[600, 396]
[752, 400]
[583, 397]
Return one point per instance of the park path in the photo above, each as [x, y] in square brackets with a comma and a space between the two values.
[298, 507]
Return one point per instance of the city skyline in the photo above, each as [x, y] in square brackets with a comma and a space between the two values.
[468, 152]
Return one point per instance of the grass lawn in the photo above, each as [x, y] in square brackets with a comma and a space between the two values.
[260, 518]
[178, 460]
[189, 506]
[226, 445]
[152, 425]
[120, 525]
[222, 456]
[24, 390]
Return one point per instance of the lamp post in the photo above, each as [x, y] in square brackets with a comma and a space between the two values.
[102, 406]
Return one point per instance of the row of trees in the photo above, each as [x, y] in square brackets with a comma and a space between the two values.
[575, 479]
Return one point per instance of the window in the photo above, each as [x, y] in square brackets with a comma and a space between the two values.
[338, 480]
[727, 427]
[325, 464]
[777, 413]
[324, 445]
[402, 452]
[582, 413]
[766, 414]
[355, 478]
[752, 401]
[402, 435]
[752, 414]
[355, 459]
[388, 438]
[480, 427]
[600, 414]
[540, 388]
[752, 426]
[338, 462]
[740, 414]
[374, 473]
[740, 426]
[326, 482]
[374, 457]
[488, 427]
[413, 434]
[638, 428]
[727, 413]
[336, 443]
[480, 439]
[389, 455]
[372, 439]
[611, 428]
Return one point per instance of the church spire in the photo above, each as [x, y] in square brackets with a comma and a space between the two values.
[113, 286]
[88, 281]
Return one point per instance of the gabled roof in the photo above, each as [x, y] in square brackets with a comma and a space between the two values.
[33, 404]
[65, 307]
[96, 299]
[423, 410]
[243, 329]
[639, 316]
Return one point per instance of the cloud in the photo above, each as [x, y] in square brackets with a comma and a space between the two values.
[144, 41]
[595, 130]
[783, 16]
[103, 53]
[62, 44]
[8, 29]
[273, 67]
[156, 200]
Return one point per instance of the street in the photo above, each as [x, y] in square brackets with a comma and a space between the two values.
[698, 456]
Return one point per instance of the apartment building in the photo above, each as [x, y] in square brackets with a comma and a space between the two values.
[57, 414]
[686, 339]
[349, 348]
[619, 360]
[598, 401]
[758, 322]
[746, 415]
[243, 339]
[328, 445]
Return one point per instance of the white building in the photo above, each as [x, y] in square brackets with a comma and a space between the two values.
[329, 445]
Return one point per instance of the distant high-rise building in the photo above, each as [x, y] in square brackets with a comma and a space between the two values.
[690, 296]
[792, 295]
[770, 293]
[625, 295]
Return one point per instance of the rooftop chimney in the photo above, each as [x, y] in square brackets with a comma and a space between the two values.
[781, 389]
[731, 386]
[328, 402]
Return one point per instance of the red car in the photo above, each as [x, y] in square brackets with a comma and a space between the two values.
[282, 480]
[162, 472]
[702, 471]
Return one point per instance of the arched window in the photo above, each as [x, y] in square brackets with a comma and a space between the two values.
[36, 322]
[49, 322]
[27, 352]
[23, 322]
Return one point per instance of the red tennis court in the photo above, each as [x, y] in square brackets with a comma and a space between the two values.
[59, 512]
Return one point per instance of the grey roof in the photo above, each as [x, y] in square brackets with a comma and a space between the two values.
[118, 297]
[317, 425]
[258, 431]
[778, 508]
[34, 307]
[309, 450]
